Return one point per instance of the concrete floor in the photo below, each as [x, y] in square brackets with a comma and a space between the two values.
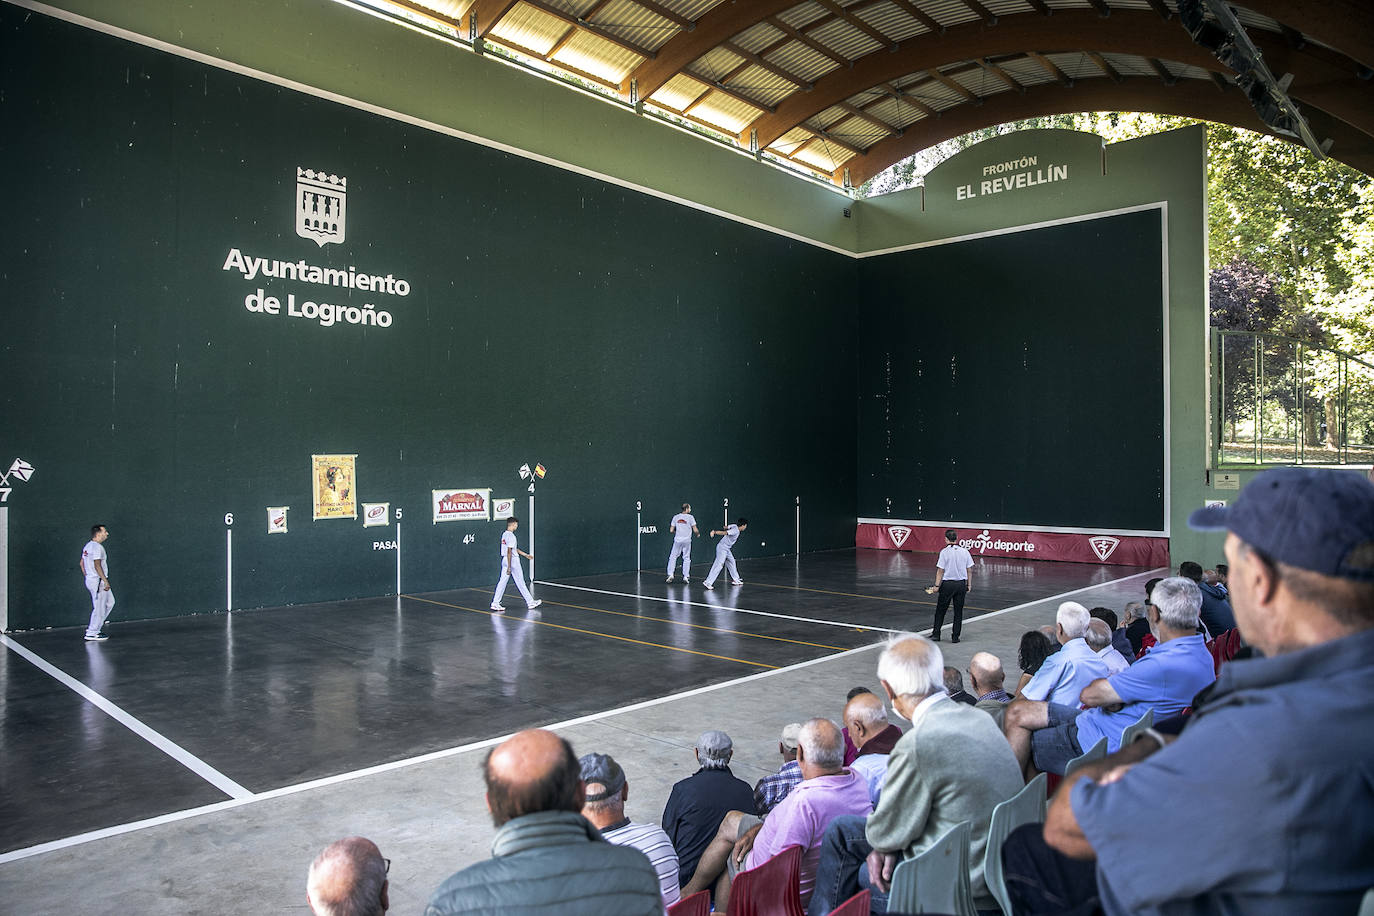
[427, 815]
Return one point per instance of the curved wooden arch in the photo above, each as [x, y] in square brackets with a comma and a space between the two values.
[1346, 25]
[1187, 98]
[1142, 34]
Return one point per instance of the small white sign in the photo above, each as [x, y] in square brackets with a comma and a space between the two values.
[376, 514]
[1226, 481]
[1215, 503]
[276, 519]
[502, 508]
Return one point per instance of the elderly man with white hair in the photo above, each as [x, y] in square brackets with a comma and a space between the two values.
[348, 879]
[1046, 736]
[951, 766]
[1065, 673]
[827, 791]
[1099, 639]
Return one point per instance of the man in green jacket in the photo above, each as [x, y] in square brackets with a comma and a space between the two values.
[952, 765]
[546, 856]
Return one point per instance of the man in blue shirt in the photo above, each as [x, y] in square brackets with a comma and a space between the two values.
[1264, 803]
[1165, 680]
[698, 803]
[1059, 682]
[1216, 615]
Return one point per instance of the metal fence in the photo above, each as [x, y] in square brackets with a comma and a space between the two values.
[1276, 400]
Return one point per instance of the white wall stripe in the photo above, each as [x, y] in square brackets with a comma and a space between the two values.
[155, 738]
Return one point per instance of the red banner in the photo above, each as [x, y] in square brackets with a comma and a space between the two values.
[1071, 547]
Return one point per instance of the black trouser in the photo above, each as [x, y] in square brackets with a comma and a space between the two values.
[951, 589]
[1040, 879]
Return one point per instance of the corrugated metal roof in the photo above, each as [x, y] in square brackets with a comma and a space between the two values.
[892, 21]
[823, 156]
[726, 112]
[758, 37]
[844, 39]
[789, 141]
[795, 57]
[804, 14]
[679, 92]
[948, 12]
[597, 56]
[635, 23]
[530, 28]
[716, 63]
[758, 83]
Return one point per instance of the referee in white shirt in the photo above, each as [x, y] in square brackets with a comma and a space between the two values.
[951, 581]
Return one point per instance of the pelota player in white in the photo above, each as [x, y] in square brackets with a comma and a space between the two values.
[510, 568]
[95, 566]
[683, 527]
[724, 556]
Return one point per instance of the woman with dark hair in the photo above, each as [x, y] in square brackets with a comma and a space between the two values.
[1035, 648]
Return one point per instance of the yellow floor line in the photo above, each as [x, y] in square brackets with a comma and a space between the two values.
[560, 626]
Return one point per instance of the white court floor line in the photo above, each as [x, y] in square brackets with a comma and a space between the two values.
[323, 782]
[171, 817]
[723, 607]
[153, 737]
[1149, 574]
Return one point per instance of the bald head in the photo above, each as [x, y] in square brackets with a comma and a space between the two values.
[530, 772]
[1099, 635]
[985, 670]
[820, 748]
[348, 879]
[864, 716]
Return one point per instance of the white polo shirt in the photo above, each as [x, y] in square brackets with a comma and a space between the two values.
[955, 561]
[508, 543]
[93, 551]
[731, 535]
[682, 525]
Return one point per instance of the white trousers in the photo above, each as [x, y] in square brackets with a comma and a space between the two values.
[725, 558]
[508, 573]
[680, 549]
[102, 602]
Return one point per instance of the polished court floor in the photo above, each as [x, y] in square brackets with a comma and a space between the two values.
[181, 713]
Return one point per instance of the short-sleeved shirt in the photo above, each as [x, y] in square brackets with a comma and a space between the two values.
[955, 561]
[801, 819]
[93, 551]
[1165, 680]
[731, 535]
[1262, 806]
[694, 811]
[654, 843]
[1065, 673]
[682, 525]
[508, 543]
[773, 788]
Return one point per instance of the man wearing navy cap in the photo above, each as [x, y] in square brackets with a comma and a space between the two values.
[1264, 802]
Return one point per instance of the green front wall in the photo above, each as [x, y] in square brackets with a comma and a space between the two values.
[642, 348]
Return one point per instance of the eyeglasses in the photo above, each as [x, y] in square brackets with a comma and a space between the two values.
[387, 862]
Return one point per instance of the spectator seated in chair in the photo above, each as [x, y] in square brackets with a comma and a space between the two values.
[1099, 639]
[774, 787]
[866, 717]
[607, 790]
[697, 803]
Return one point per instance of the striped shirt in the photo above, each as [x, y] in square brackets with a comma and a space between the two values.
[654, 843]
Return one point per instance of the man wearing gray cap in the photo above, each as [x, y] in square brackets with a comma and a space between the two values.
[698, 803]
[607, 791]
[1263, 802]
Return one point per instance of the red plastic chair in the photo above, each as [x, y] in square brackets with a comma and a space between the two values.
[858, 905]
[772, 889]
[699, 904]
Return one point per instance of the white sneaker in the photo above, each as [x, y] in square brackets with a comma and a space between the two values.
[497, 608]
[670, 578]
[536, 603]
[708, 585]
[736, 581]
[686, 579]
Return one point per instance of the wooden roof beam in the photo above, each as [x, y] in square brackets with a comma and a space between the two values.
[772, 68]
[920, 15]
[1162, 71]
[1101, 6]
[487, 14]
[982, 11]
[675, 18]
[1002, 75]
[1138, 32]
[1189, 98]
[813, 44]
[856, 22]
[1051, 68]
[954, 86]
[876, 121]
[591, 27]
[720, 86]
[1164, 12]
[906, 98]
[1107, 69]
[1346, 25]
[721, 23]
